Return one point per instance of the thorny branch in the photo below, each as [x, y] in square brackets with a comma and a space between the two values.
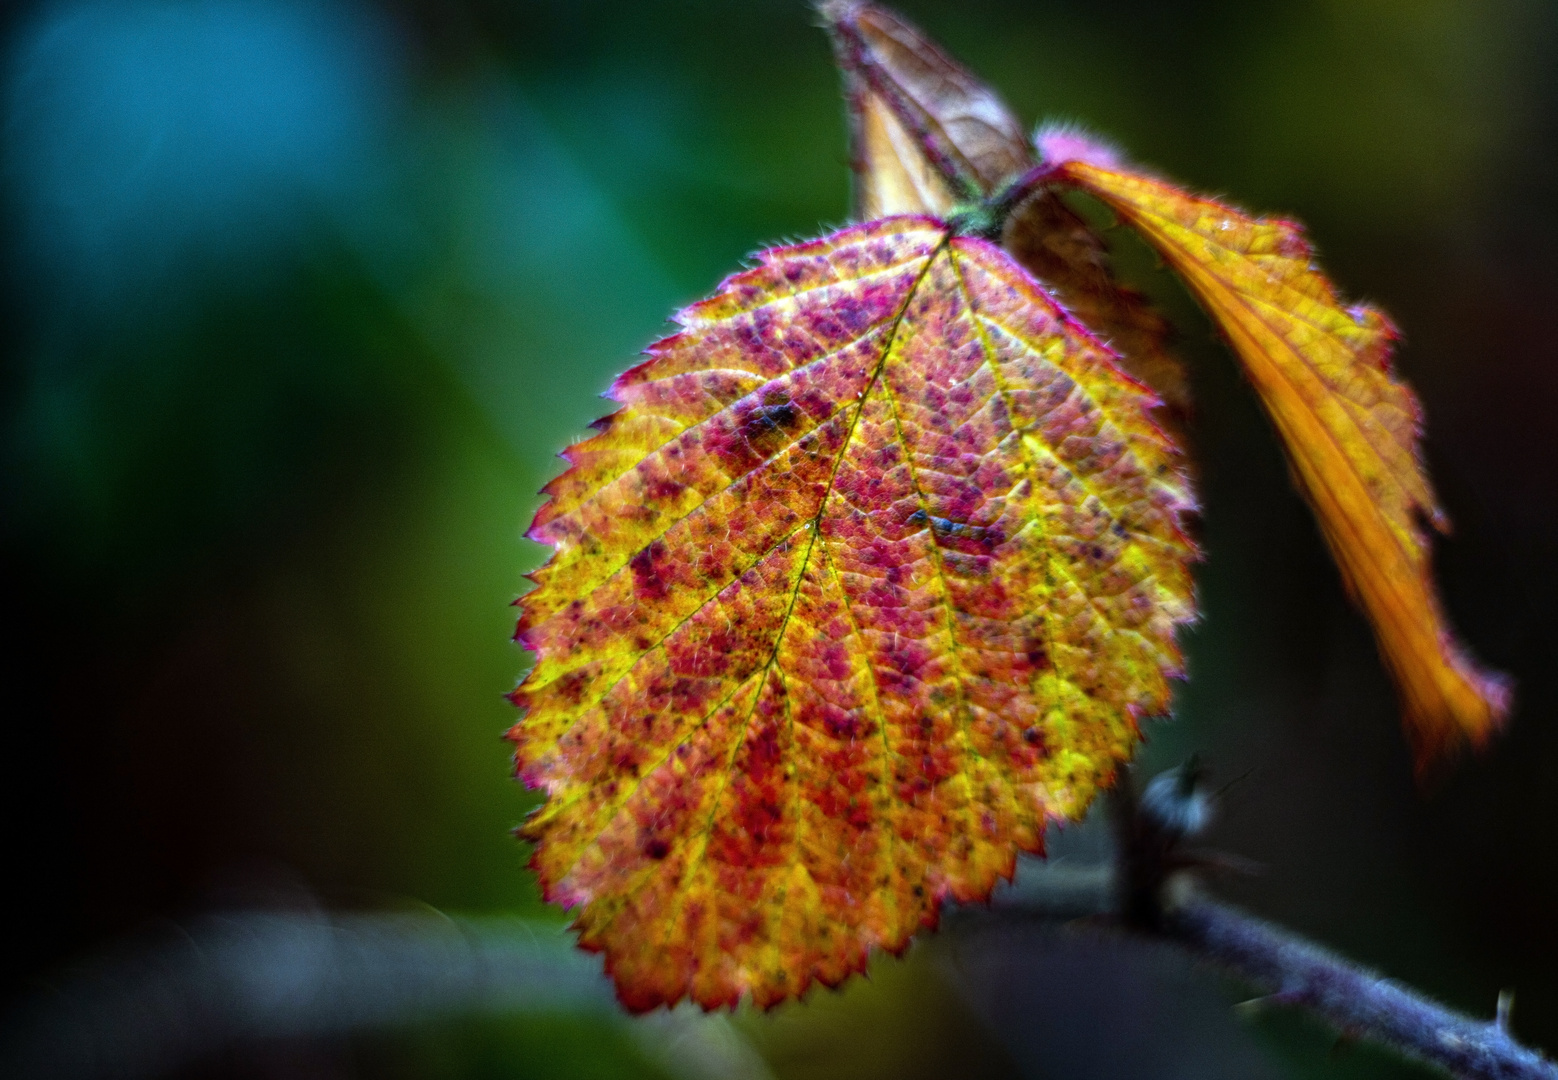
[160, 1004]
[1151, 892]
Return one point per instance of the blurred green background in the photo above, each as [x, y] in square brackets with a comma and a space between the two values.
[301, 298]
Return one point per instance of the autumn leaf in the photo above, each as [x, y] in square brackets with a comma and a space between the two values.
[872, 576]
[1350, 427]
[927, 135]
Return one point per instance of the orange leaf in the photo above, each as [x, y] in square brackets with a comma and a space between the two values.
[927, 134]
[1350, 428]
[872, 576]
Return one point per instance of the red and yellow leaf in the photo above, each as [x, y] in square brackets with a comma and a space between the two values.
[1351, 430]
[871, 576]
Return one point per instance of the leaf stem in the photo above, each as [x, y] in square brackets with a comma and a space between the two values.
[987, 217]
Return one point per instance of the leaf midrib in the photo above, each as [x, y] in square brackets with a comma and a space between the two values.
[767, 668]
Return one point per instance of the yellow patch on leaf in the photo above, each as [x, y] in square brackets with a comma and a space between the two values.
[870, 578]
[1351, 430]
[892, 175]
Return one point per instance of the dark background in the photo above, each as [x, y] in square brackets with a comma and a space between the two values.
[301, 298]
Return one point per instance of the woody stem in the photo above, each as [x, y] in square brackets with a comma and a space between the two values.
[1148, 892]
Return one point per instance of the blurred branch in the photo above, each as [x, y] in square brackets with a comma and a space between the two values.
[1056, 891]
[160, 1004]
[172, 999]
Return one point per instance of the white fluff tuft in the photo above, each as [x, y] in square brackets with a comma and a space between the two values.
[1059, 143]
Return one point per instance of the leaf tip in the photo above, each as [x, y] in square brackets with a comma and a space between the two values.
[1475, 708]
[1499, 690]
[836, 12]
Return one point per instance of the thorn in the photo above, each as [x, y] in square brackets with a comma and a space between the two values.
[1506, 1006]
[1220, 793]
[1254, 1007]
[1214, 861]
